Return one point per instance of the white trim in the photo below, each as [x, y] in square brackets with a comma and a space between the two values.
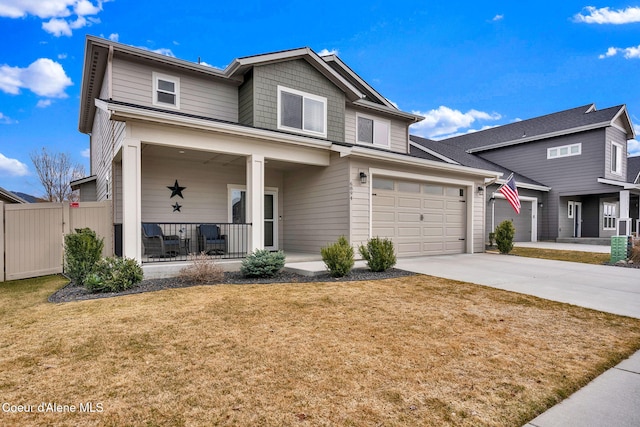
[523, 185]
[375, 120]
[534, 213]
[167, 78]
[274, 191]
[614, 216]
[577, 220]
[624, 185]
[570, 208]
[304, 96]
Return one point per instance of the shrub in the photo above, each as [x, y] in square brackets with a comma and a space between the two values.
[82, 251]
[504, 236]
[262, 263]
[338, 257]
[379, 254]
[635, 252]
[202, 270]
[114, 274]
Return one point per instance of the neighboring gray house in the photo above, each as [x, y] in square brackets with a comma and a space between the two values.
[571, 171]
[286, 150]
[7, 196]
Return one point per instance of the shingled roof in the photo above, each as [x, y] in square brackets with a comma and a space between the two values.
[459, 155]
[565, 122]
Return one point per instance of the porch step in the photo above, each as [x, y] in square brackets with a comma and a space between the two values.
[604, 241]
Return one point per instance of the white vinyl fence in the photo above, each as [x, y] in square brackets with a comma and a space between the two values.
[32, 235]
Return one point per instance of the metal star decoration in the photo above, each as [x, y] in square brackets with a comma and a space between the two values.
[176, 190]
[176, 207]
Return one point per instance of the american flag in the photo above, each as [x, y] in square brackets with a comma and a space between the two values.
[510, 192]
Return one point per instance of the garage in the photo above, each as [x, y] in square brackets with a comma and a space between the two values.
[420, 218]
[522, 222]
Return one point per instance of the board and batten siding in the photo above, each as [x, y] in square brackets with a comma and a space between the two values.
[199, 95]
[361, 195]
[399, 133]
[316, 206]
[297, 75]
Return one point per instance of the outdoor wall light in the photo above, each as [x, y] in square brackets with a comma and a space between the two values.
[480, 190]
[363, 178]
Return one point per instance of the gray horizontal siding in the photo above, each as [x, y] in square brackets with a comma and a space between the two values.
[316, 206]
[133, 83]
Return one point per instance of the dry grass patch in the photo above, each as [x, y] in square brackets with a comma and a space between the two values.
[410, 351]
[573, 256]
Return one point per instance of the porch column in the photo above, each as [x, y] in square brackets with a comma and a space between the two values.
[255, 200]
[131, 203]
[624, 210]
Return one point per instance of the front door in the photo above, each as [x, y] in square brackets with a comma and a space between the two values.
[237, 214]
[577, 219]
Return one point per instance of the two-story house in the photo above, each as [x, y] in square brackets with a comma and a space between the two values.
[286, 150]
[571, 172]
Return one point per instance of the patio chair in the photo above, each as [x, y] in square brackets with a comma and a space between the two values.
[155, 243]
[210, 240]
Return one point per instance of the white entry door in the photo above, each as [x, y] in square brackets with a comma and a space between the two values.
[577, 219]
[237, 214]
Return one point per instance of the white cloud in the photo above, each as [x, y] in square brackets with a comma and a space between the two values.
[62, 56]
[446, 121]
[498, 18]
[327, 52]
[4, 120]
[59, 13]
[114, 37]
[162, 51]
[12, 167]
[633, 147]
[607, 16]
[86, 153]
[628, 52]
[43, 77]
[43, 103]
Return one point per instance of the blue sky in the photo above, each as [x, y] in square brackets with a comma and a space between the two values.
[464, 65]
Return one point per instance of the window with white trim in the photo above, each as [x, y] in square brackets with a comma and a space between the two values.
[616, 158]
[373, 131]
[608, 216]
[564, 151]
[166, 90]
[302, 112]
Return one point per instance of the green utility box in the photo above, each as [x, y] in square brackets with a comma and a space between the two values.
[620, 248]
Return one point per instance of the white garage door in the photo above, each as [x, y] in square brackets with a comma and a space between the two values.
[521, 222]
[420, 218]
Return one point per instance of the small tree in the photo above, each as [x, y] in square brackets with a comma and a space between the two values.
[82, 251]
[504, 236]
[55, 172]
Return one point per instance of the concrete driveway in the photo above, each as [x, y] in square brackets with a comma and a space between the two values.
[604, 288]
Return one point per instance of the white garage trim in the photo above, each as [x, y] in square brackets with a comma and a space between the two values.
[534, 213]
[469, 186]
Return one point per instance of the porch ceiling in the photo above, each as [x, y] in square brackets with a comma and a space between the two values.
[211, 157]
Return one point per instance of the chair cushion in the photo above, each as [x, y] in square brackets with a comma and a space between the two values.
[151, 230]
[209, 231]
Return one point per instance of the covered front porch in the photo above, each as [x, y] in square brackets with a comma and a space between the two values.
[221, 195]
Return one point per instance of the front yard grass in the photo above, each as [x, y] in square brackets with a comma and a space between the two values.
[410, 351]
[573, 256]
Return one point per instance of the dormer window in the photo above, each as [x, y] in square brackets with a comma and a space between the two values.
[302, 112]
[166, 90]
[373, 131]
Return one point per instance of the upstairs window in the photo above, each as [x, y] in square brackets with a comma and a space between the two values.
[616, 158]
[302, 112]
[564, 151]
[373, 131]
[166, 90]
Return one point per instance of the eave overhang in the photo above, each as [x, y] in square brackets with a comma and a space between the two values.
[621, 184]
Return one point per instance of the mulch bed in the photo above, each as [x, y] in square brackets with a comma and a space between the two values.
[73, 292]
